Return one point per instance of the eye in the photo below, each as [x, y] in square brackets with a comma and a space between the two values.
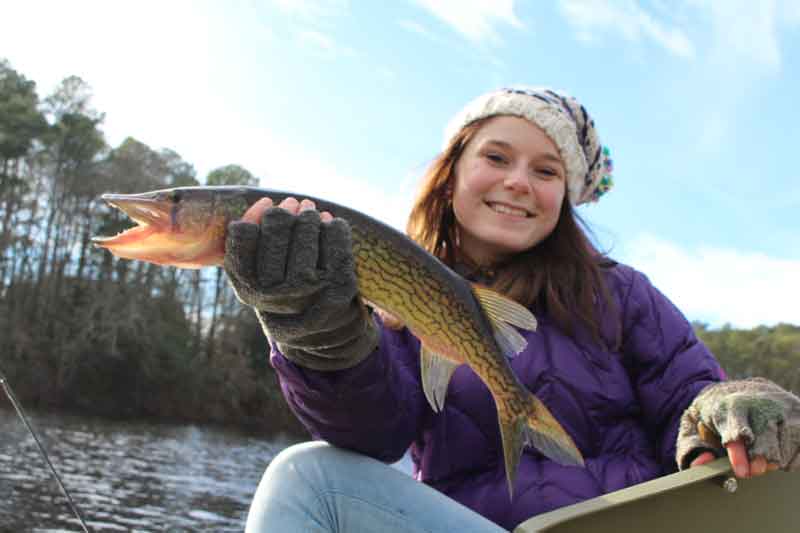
[547, 173]
[495, 158]
[175, 197]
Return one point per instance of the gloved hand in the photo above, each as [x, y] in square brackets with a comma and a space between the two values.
[298, 274]
[765, 417]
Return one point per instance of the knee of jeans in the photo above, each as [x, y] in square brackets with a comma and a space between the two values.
[308, 463]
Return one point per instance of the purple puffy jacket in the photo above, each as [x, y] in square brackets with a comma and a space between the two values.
[622, 408]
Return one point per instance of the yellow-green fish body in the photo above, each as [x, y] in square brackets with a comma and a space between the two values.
[455, 321]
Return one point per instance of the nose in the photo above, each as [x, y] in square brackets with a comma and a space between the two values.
[517, 180]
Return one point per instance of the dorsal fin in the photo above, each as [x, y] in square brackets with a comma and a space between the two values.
[503, 312]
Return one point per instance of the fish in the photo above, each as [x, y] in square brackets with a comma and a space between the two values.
[456, 322]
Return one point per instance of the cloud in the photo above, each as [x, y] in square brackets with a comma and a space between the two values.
[747, 33]
[719, 285]
[323, 43]
[589, 18]
[736, 34]
[475, 19]
[744, 32]
[484, 55]
[419, 29]
[309, 18]
[312, 9]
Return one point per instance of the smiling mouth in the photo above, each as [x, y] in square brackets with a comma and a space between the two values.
[508, 210]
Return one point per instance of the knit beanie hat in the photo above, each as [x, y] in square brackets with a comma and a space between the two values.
[564, 120]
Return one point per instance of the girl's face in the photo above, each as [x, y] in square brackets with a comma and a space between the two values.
[510, 183]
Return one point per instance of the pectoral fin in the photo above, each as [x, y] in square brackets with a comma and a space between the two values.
[504, 313]
[436, 373]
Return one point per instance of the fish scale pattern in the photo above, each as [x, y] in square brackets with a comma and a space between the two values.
[420, 297]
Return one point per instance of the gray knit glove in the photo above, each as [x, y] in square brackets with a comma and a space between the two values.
[760, 413]
[298, 274]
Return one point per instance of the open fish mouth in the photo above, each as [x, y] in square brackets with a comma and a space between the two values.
[151, 214]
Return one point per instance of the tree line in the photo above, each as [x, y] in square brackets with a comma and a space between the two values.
[81, 329]
[770, 352]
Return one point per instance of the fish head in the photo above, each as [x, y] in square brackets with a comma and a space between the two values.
[182, 227]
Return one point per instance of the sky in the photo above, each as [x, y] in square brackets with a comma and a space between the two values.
[347, 100]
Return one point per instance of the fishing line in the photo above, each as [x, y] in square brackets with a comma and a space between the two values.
[18, 407]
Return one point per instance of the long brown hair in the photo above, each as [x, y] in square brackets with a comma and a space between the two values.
[561, 275]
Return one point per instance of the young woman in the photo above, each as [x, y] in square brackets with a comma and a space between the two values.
[613, 359]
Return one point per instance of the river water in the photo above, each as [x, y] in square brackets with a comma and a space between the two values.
[128, 476]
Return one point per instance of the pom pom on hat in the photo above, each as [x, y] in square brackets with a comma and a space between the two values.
[564, 120]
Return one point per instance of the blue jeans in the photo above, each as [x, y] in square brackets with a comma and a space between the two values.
[317, 488]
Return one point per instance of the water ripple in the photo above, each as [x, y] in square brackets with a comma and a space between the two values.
[128, 476]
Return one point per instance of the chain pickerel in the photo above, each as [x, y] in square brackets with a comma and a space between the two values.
[456, 322]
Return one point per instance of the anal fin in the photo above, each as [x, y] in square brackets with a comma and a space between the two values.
[436, 373]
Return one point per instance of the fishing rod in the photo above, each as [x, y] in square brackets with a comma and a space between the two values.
[18, 407]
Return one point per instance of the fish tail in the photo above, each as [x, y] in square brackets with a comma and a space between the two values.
[527, 421]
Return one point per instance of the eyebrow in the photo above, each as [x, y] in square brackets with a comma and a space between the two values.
[549, 156]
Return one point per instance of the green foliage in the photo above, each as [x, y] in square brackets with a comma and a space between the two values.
[179, 172]
[231, 175]
[82, 329]
[21, 121]
[770, 352]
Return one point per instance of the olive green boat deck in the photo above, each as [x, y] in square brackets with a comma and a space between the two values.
[688, 501]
